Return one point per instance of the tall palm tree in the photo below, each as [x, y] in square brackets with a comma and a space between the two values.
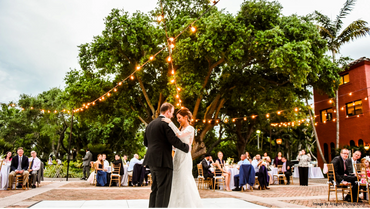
[336, 37]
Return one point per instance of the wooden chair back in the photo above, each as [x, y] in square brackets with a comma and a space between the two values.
[200, 169]
[218, 171]
[116, 168]
[331, 173]
[280, 169]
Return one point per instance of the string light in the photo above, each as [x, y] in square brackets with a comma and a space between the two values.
[132, 77]
[193, 29]
[267, 115]
[278, 112]
[160, 18]
[151, 58]
[296, 109]
[169, 59]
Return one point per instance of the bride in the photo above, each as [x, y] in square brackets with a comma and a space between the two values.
[184, 192]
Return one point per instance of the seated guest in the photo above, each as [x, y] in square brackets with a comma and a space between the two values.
[351, 162]
[342, 175]
[207, 168]
[260, 167]
[266, 158]
[101, 175]
[34, 167]
[5, 169]
[124, 160]
[247, 155]
[133, 161]
[106, 165]
[277, 160]
[243, 161]
[19, 165]
[92, 174]
[118, 160]
[220, 163]
[287, 169]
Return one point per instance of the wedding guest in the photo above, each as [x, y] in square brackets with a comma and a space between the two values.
[247, 156]
[287, 169]
[366, 162]
[304, 162]
[277, 160]
[262, 173]
[101, 175]
[255, 163]
[86, 164]
[243, 161]
[351, 162]
[92, 174]
[220, 163]
[342, 175]
[118, 160]
[34, 167]
[19, 165]
[133, 161]
[107, 167]
[266, 158]
[5, 169]
[50, 161]
[207, 168]
[125, 162]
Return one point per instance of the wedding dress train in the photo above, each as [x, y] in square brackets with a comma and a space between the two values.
[184, 192]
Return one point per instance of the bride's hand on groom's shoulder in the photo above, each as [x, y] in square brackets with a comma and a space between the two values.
[167, 120]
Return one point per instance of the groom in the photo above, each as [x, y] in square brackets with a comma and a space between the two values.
[159, 139]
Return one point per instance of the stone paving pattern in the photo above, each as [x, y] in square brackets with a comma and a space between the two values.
[295, 196]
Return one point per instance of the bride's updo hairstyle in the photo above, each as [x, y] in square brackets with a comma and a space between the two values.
[185, 112]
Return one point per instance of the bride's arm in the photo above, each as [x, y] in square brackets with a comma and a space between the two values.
[179, 133]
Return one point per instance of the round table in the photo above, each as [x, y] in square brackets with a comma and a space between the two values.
[313, 172]
[273, 172]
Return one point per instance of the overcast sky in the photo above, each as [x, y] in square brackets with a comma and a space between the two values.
[39, 39]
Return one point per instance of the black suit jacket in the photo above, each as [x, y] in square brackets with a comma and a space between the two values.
[159, 138]
[206, 171]
[122, 170]
[339, 168]
[14, 163]
[288, 163]
[349, 165]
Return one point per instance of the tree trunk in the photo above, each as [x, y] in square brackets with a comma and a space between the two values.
[337, 109]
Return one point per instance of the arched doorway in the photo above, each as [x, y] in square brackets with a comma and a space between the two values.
[352, 143]
[326, 152]
[332, 150]
[360, 142]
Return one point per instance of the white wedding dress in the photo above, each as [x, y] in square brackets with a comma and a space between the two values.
[184, 191]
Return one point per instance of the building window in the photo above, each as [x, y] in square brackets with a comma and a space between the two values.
[344, 79]
[326, 152]
[354, 108]
[326, 115]
[360, 142]
[332, 149]
[352, 143]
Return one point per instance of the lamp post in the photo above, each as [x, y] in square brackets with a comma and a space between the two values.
[258, 139]
[279, 141]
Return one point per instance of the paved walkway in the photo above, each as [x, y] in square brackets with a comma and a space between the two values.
[207, 203]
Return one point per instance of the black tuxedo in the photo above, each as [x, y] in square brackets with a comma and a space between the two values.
[343, 175]
[159, 138]
[14, 163]
[206, 167]
[288, 171]
[349, 165]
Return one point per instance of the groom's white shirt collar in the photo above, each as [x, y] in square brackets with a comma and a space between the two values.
[162, 115]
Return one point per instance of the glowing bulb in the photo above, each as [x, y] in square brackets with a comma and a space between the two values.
[342, 108]
[245, 118]
[55, 111]
[68, 112]
[138, 68]
[233, 120]
[334, 120]
[296, 109]
[178, 104]
[132, 77]
[335, 111]
[114, 90]
[358, 116]
[172, 46]
[93, 103]
[31, 108]
[177, 96]
[253, 116]
[171, 39]
[226, 120]
[178, 89]
[102, 98]
[120, 83]
[193, 29]
[278, 112]
[350, 94]
[196, 120]
[267, 115]
[217, 121]
[173, 72]
[160, 18]
[204, 121]
[151, 58]
[48, 111]
[330, 101]
[365, 98]
[108, 94]
[173, 81]
[210, 121]
[83, 104]
[169, 59]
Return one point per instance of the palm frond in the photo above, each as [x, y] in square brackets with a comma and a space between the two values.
[348, 6]
[353, 31]
[326, 27]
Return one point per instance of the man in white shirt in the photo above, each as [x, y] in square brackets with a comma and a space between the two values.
[106, 163]
[133, 161]
[255, 163]
[351, 162]
[243, 161]
[34, 167]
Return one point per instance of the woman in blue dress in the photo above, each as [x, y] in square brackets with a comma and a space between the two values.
[101, 175]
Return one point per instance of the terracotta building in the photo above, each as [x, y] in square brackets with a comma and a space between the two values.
[354, 111]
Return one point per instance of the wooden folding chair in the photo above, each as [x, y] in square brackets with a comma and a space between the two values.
[115, 174]
[280, 176]
[202, 182]
[333, 186]
[361, 172]
[219, 178]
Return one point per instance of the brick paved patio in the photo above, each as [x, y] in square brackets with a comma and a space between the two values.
[295, 196]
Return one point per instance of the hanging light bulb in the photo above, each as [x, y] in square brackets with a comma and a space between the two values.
[365, 98]
[172, 46]
[234, 120]
[103, 98]
[178, 89]
[93, 103]
[138, 68]
[350, 94]
[204, 121]
[169, 59]
[171, 39]
[115, 90]
[132, 77]
[151, 58]
[193, 29]
[31, 108]
[217, 121]
[210, 121]
[296, 109]
[120, 83]
[245, 118]
[177, 96]
[108, 94]
[173, 81]
[278, 112]
[267, 115]
[173, 72]
[160, 18]
[226, 120]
